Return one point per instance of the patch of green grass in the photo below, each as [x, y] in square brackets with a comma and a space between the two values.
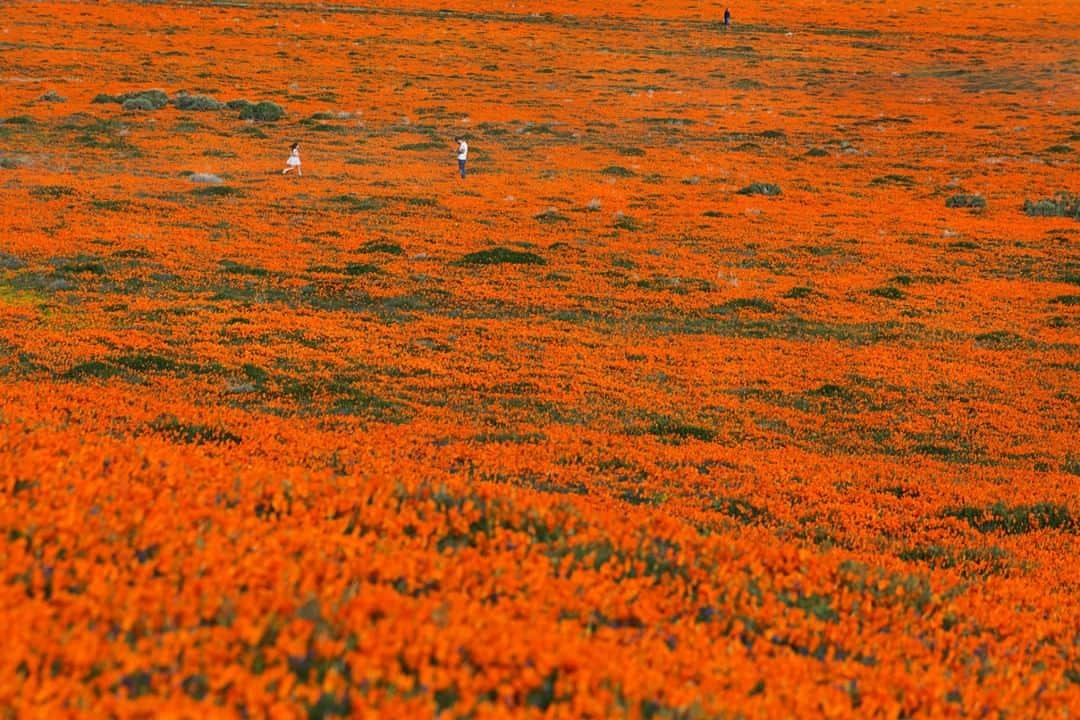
[193, 434]
[496, 438]
[1001, 340]
[51, 192]
[893, 180]
[77, 267]
[551, 217]
[217, 191]
[672, 428]
[737, 304]
[110, 205]
[1017, 519]
[420, 146]
[741, 510]
[799, 292]
[1065, 300]
[888, 292]
[963, 245]
[352, 203]
[501, 255]
[386, 248]
[99, 370]
[361, 269]
[617, 171]
[234, 268]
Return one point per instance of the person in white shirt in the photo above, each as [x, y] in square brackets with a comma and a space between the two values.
[462, 154]
[293, 162]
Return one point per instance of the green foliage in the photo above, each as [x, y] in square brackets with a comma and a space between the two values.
[361, 269]
[387, 248]
[217, 191]
[197, 103]
[234, 268]
[192, 434]
[741, 510]
[138, 100]
[551, 217]
[760, 188]
[501, 255]
[264, 111]
[1016, 520]
[671, 428]
[737, 304]
[51, 192]
[888, 292]
[1063, 204]
[977, 202]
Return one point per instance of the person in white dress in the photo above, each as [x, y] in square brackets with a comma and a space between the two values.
[462, 154]
[293, 162]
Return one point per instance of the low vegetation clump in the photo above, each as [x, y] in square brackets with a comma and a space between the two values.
[1063, 204]
[198, 103]
[975, 202]
[501, 256]
[136, 100]
[760, 188]
[263, 111]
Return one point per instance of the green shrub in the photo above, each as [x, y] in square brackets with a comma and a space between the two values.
[758, 188]
[888, 292]
[501, 255]
[137, 103]
[264, 111]
[966, 201]
[139, 100]
[197, 103]
[1063, 204]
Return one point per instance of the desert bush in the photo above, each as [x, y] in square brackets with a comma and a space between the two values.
[52, 96]
[617, 171]
[137, 103]
[759, 188]
[264, 111]
[138, 100]
[501, 255]
[198, 103]
[966, 201]
[1063, 204]
[550, 216]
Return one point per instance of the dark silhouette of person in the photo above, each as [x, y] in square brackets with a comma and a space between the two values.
[727, 18]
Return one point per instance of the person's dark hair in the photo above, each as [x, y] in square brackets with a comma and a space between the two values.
[294, 146]
[458, 139]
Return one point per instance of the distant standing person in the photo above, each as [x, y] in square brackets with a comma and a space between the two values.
[727, 18]
[462, 154]
[293, 163]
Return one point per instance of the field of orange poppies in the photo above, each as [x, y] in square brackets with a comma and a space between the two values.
[738, 379]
